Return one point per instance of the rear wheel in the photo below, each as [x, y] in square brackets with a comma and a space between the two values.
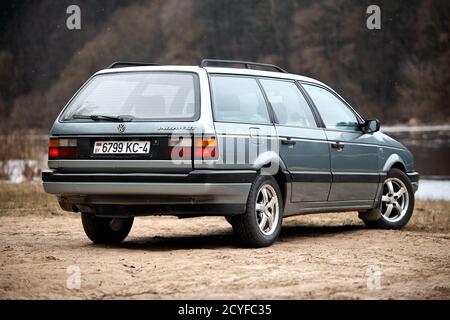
[106, 230]
[260, 226]
[396, 205]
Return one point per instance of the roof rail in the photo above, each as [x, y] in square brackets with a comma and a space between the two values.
[246, 64]
[124, 64]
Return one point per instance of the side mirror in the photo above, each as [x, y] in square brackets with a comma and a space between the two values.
[371, 126]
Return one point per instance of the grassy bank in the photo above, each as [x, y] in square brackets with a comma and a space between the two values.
[27, 199]
[23, 145]
[22, 155]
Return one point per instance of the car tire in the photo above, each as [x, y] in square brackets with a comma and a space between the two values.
[396, 204]
[260, 225]
[106, 230]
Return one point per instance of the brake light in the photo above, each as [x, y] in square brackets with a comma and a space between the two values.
[180, 148]
[62, 148]
[206, 148]
[53, 153]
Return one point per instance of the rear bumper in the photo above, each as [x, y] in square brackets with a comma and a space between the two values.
[206, 192]
[414, 178]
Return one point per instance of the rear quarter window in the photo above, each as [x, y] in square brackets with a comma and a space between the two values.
[238, 99]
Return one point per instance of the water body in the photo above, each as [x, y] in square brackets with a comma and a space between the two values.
[430, 146]
[434, 190]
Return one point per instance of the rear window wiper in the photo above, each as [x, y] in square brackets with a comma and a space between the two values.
[99, 117]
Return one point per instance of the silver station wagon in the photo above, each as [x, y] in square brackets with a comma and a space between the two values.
[243, 140]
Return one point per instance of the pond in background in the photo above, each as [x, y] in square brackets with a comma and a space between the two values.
[430, 148]
[433, 190]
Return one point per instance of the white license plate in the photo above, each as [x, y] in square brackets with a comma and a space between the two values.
[122, 147]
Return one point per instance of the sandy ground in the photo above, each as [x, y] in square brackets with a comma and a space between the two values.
[322, 256]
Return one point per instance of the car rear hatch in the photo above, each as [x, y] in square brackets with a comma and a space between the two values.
[128, 122]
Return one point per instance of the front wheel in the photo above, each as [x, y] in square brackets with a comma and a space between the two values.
[396, 205]
[106, 230]
[260, 225]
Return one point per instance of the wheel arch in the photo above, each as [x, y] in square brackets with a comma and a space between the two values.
[269, 160]
[394, 161]
[270, 163]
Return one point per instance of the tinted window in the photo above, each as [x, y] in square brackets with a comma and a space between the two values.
[288, 103]
[335, 114]
[238, 99]
[142, 95]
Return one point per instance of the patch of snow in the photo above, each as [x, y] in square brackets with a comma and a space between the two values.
[14, 170]
[434, 190]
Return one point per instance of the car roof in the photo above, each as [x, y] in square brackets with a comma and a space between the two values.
[214, 70]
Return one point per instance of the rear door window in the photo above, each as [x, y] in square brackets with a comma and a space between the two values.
[288, 103]
[140, 95]
[238, 99]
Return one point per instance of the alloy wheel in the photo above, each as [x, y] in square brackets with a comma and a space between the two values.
[267, 209]
[395, 200]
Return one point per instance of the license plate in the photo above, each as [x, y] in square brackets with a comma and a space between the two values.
[122, 147]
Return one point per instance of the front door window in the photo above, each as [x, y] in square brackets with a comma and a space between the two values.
[335, 114]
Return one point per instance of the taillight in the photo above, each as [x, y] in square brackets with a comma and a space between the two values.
[62, 148]
[180, 148]
[206, 148]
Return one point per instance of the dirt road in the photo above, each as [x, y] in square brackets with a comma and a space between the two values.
[332, 257]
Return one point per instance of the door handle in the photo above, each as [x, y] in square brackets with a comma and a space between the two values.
[338, 145]
[288, 142]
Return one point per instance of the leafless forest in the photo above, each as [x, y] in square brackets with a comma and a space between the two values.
[399, 74]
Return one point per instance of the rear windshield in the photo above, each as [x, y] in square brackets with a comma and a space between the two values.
[139, 96]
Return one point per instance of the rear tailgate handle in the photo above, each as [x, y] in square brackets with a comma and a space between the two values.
[288, 142]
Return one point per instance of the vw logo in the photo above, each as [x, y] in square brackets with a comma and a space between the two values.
[121, 128]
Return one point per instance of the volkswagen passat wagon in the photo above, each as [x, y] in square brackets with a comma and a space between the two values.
[238, 139]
